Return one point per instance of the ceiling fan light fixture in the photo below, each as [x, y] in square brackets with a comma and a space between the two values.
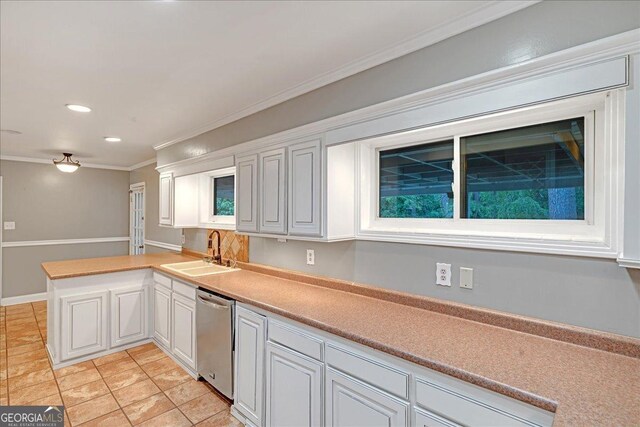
[66, 164]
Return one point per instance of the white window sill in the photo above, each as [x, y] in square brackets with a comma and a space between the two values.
[597, 249]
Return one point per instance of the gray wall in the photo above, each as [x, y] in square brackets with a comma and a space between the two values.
[586, 292]
[153, 231]
[538, 30]
[47, 204]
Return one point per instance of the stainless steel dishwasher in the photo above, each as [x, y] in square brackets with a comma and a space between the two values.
[214, 324]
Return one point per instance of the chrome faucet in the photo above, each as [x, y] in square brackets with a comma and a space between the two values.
[217, 256]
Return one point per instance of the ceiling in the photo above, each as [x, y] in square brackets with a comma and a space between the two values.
[157, 72]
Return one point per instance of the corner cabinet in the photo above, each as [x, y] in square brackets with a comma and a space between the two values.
[247, 194]
[304, 189]
[273, 200]
[165, 199]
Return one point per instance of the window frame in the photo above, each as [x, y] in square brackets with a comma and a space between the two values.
[592, 235]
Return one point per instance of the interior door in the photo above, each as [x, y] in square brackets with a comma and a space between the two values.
[136, 215]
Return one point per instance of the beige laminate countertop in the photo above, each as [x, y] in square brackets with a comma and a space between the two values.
[584, 386]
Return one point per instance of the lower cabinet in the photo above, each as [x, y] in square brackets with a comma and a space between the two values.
[294, 389]
[162, 315]
[353, 403]
[314, 379]
[184, 329]
[249, 363]
[128, 315]
[84, 324]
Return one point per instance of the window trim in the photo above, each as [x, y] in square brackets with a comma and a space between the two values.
[224, 221]
[596, 235]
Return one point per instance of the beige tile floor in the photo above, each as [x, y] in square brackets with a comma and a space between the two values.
[139, 386]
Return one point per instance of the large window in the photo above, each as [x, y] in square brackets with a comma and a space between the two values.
[539, 177]
[532, 172]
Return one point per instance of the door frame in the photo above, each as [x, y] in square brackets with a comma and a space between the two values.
[1, 228]
[132, 188]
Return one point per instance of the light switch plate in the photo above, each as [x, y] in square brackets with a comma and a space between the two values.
[443, 274]
[466, 278]
[9, 225]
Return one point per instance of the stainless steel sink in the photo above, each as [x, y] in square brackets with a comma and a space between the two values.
[198, 268]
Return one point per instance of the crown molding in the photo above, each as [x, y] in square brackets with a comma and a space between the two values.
[468, 21]
[142, 164]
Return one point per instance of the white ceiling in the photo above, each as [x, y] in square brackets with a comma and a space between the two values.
[155, 72]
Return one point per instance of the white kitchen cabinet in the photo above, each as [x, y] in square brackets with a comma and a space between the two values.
[84, 324]
[165, 199]
[129, 316]
[162, 315]
[247, 194]
[427, 419]
[249, 367]
[186, 191]
[273, 197]
[183, 329]
[304, 189]
[294, 388]
[352, 403]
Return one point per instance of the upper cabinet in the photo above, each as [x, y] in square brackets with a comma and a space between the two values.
[304, 189]
[247, 194]
[300, 191]
[166, 199]
[273, 199]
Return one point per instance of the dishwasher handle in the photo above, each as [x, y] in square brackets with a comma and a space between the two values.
[212, 304]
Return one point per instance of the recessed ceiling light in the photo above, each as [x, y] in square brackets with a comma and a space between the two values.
[112, 139]
[11, 132]
[78, 108]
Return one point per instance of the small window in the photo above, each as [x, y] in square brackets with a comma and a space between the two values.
[223, 195]
[416, 181]
[532, 172]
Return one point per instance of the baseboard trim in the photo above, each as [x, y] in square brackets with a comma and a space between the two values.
[22, 299]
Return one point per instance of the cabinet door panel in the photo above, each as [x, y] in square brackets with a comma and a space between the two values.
[128, 315]
[162, 315]
[304, 189]
[84, 324]
[183, 312]
[294, 389]
[165, 199]
[273, 197]
[250, 338]
[247, 194]
[351, 403]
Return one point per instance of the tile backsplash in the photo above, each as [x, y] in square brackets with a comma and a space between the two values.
[232, 245]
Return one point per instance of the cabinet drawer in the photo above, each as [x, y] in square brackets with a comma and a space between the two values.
[467, 404]
[427, 419]
[295, 339]
[163, 280]
[184, 290]
[379, 374]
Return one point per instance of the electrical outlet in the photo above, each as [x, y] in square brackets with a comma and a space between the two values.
[183, 239]
[443, 274]
[311, 257]
[9, 225]
[466, 278]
